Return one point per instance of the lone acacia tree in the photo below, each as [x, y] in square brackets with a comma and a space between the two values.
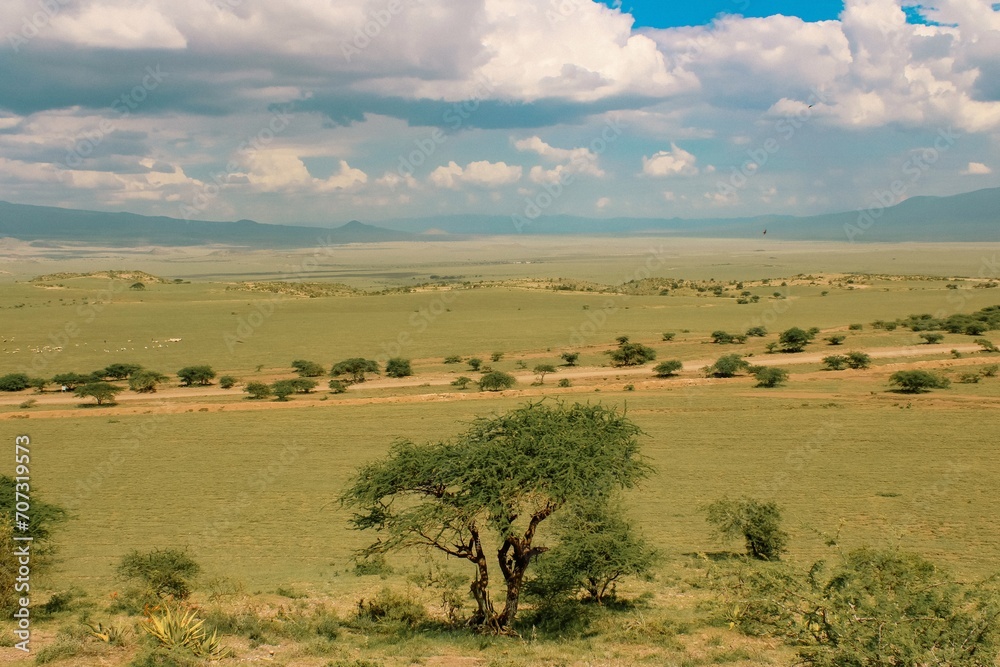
[492, 487]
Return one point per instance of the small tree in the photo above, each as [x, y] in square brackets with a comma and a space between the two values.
[337, 387]
[146, 382]
[835, 340]
[103, 392]
[543, 370]
[721, 338]
[451, 498]
[859, 360]
[308, 369]
[756, 332]
[192, 375]
[14, 382]
[669, 336]
[771, 347]
[932, 338]
[120, 371]
[475, 363]
[453, 359]
[570, 358]
[728, 366]
[769, 376]
[138, 287]
[669, 368]
[39, 384]
[496, 381]
[398, 368]
[759, 524]
[356, 368]
[835, 362]
[917, 381]
[795, 339]
[986, 345]
[72, 380]
[166, 573]
[461, 382]
[227, 381]
[282, 389]
[257, 390]
[631, 354]
[496, 356]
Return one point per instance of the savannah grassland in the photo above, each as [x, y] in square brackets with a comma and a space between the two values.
[249, 488]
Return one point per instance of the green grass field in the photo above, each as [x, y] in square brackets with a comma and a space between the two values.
[250, 489]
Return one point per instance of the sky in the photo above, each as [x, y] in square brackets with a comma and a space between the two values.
[322, 111]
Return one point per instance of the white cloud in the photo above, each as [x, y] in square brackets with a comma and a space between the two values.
[603, 203]
[107, 26]
[675, 162]
[977, 169]
[574, 161]
[281, 170]
[482, 173]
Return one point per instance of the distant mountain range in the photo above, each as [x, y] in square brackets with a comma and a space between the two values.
[971, 217]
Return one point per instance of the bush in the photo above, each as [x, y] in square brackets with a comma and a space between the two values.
[969, 378]
[564, 383]
[257, 390]
[389, 606]
[165, 573]
[795, 339]
[835, 362]
[496, 356]
[146, 381]
[728, 366]
[337, 387]
[461, 382]
[308, 369]
[759, 523]
[769, 376]
[496, 381]
[669, 336]
[668, 368]
[916, 382]
[398, 368]
[990, 371]
[14, 382]
[570, 358]
[227, 382]
[631, 354]
[475, 363]
[855, 327]
[192, 375]
[756, 332]
[932, 338]
[356, 368]
[859, 360]
[986, 345]
[453, 359]
[835, 340]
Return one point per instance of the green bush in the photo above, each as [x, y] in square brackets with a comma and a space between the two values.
[631, 354]
[668, 368]
[728, 366]
[14, 382]
[227, 382]
[917, 381]
[390, 606]
[257, 390]
[769, 376]
[759, 524]
[835, 362]
[496, 381]
[165, 573]
[398, 368]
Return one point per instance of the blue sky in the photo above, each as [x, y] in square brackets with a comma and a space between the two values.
[313, 112]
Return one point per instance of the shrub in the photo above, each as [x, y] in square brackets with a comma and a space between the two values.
[721, 338]
[389, 606]
[631, 354]
[356, 368]
[398, 367]
[835, 340]
[14, 382]
[668, 368]
[990, 371]
[496, 356]
[756, 332]
[855, 327]
[932, 338]
[669, 336]
[570, 358]
[192, 375]
[146, 381]
[163, 572]
[859, 360]
[461, 382]
[728, 366]
[308, 369]
[257, 390]
[769, 376]
[759, 524]
[227, 382]
[986, 345]
[453, 359]
[917, 381]
[969, 378]
[496, 381]
[177, 629]
[835, 362]
[564, 383]
[337, 387]
[475, 363]
[795, 339]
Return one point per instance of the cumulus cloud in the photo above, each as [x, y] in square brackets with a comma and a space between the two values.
[675, 162]
[977, 169]
[282, 170]
[573, 160]
[483, 173]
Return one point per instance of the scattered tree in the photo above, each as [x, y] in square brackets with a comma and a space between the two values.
[668, 368]
[543, 370]
[398, 368]
[166, 573]
[72, 380]
[192, 375]
[990, 371]
[918, 381]
[835, 340]
[756, 332]
[102, 392]
[120, 371]
[759, 524]
[496, 381]
[356, 368]
[454, 359]
[308, 369]
[337, 387]
[282, 389]
[728, 365]
[475, 363]
[257, 390]
[771, 348]
[553, 457]
[631, 354]
[461, 382]
[227, 381]
[564, 383]
[986, 345]
[859, 360]
[14, 382]
[835, 362]
[146, 381]
[138, 287]
[795, 339]
[669, 336]
[932, 338]
[496, 356]
[570, 358]
[769, 376]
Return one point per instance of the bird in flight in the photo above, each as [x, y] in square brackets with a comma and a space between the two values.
[765, 233]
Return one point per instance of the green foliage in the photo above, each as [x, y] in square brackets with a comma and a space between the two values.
[543, 370]
[564, 383]
[14, 382]
[496, 356]
[227, 382]
[795, 339]
[756, 332]
[631, 354]
[668, 368]
[932, 338]
[282, 389]
[496, 381]
[990, 371]
[759, 524]
[835, 340]
[461, 382]
[453, 359]
[398, 368]
[728, 365]
[918, 381]
[475, 363]
[308, 369]
[597, 548]
[120, 371]
[505, 476]
[337, 387]
[181, 629]
[875, 608]
[859, 360]
[570, 358]
[835, 362]
[969, 378]
[769, 376]
[257, 390]
[986, 345]
[72, 380]
[102, 392]
[146, 381]
[356, 368]
[44, 516]
[669, 336]
[192, 375]
[855, 327]
[389, 606]
[164, 573]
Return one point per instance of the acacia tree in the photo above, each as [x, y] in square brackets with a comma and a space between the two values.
[630, 354]
[491, 489]
[356, 368]
[192, 375]
[103, 392]
[543, 370]
[146, 381]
